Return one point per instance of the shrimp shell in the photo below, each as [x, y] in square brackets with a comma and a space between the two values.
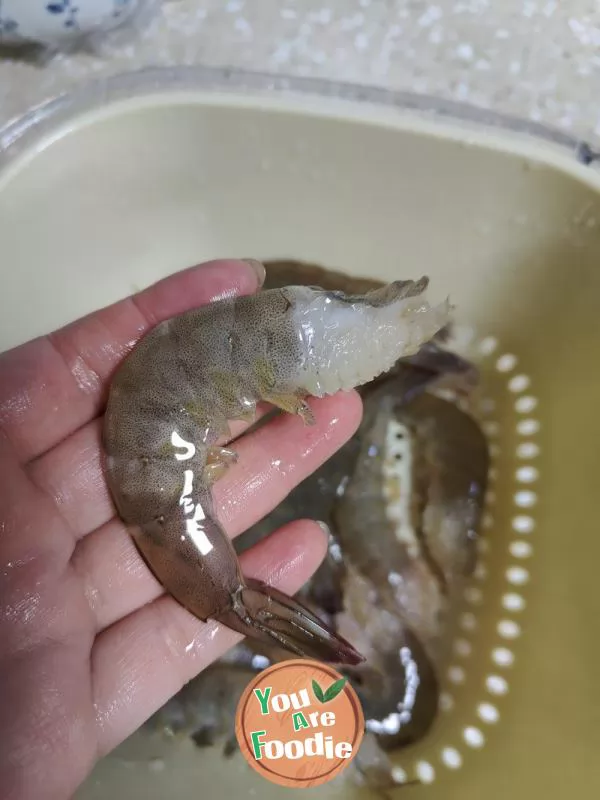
[171, 402]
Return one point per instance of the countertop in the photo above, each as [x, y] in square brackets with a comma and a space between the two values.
[534, 59]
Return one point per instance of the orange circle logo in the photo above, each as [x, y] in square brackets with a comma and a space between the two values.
[299, 723]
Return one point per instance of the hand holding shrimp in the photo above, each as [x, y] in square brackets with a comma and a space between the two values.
[90, 646]
[175, 395]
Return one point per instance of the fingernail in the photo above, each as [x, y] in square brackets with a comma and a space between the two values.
[324, 527]
[259, 269]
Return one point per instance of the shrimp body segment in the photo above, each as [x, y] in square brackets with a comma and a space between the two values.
[172, 399]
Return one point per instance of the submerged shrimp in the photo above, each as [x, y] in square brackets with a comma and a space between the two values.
[398, 685]
[172, 400]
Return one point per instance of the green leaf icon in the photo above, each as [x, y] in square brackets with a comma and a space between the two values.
[334, 689]
[318, 691]
[331, 693]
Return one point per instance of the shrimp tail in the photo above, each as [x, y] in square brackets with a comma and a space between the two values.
[199, 567]
[262, 612]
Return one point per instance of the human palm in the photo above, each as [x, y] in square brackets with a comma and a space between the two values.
[90, 645]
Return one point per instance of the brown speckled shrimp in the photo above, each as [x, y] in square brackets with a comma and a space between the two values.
[172, 400]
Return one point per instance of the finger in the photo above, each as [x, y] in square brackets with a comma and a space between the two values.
[142, 661]
[72, 476]
[53, 385]
[117, 580]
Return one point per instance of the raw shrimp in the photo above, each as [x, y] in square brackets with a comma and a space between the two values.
[424, 550]
[398, 685]
[392, 591]
[171, 402]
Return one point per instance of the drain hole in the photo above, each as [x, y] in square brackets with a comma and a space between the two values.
[462, 648]
[526, 404]
[520, 549]
[523, 524]
[488, 713]
[509, 629]
[503, 657]
[528, 426]
[456, 675]
[517, 575]
[451, 757]
[488, 345]
[525, 499]
[528, 450]
[425, 771]
[513, 602]
[506, 362]
[519, 383]
[496, 684]
[473, 737]
[526, 474]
